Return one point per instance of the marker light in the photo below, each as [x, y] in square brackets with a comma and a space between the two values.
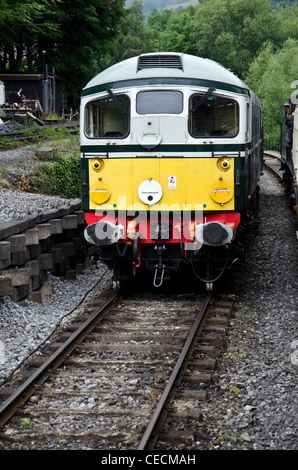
[224, 163]
[97, 164]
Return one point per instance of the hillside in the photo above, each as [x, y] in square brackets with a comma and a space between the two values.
[150, 5]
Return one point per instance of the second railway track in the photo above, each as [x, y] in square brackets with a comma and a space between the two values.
[105, 394]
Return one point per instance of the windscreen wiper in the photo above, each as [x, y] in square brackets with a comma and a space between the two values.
[203, 98]
[114, 97]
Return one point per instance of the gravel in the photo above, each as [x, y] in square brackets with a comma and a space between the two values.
[23, 328]
[15, 204]
[253, 402]
[256, 382]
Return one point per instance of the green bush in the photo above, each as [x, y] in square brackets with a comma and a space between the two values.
[60, 177]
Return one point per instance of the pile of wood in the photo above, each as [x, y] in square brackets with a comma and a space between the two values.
[27, 109]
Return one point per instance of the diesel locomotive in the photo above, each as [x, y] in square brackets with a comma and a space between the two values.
[171, 154]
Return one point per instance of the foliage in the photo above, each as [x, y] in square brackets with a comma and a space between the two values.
[257, 40]
[234, 392]
[25, 422]
[176, 5]
[22, 23]
[71, 33]
[273, 75]
[176, 36]
[60, 177]
[81, 39]
[231, 31]
[134, 37]
[87, 30]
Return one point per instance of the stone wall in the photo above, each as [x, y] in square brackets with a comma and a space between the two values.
[33, 246]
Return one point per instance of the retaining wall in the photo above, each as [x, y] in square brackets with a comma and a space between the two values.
[35, 245]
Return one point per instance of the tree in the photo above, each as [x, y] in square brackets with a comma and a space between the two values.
[273, 77]
[232, 31]
[72, 34]
[23, 22]
[134, 38]
[176, 36]
[85, 32]
[158, 23]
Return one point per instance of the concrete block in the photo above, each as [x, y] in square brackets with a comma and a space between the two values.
[42, 277]
[45, 153]
[19, 258]
[44, 217]
[14, 227]
[19, 293]
[80, 217]
[33, 266]
[71, 274]
[15, 294]
[36, 282]
[84, 252]
[77, 243]
[46, 245]
[45, 261]
[35, 296]
[56, 226]
[57, 254]
[62, 266]
[75, 205]
[5, 286]
[32, 236]
[24, 290]
[69, 222]
[79, 268]
[47, 289]
[4, 263]
[68, 249]
[19, 277]
[44, 231]
[34, 250]
[17, 243]
[4, 250]
[68, 235]
[87, 262]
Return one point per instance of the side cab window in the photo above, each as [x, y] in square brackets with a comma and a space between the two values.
[216, 116]
[108, 117]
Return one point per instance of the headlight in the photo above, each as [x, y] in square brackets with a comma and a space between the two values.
[224, 163]
[97, 164]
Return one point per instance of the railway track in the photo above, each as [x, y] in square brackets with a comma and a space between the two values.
[22, 137]
[129, 382]
[273, 164]
[130, 374]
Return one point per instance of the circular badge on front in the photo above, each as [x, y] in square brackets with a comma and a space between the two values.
[150, 192]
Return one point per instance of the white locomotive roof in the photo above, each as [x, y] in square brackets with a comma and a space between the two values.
[166, 64]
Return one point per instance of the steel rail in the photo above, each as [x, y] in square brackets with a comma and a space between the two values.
[8, 408]
[271, 168]
[143, 445]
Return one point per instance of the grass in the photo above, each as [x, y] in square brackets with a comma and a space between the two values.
[59, 176]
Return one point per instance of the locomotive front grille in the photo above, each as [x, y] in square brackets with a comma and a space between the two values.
[160, 61]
